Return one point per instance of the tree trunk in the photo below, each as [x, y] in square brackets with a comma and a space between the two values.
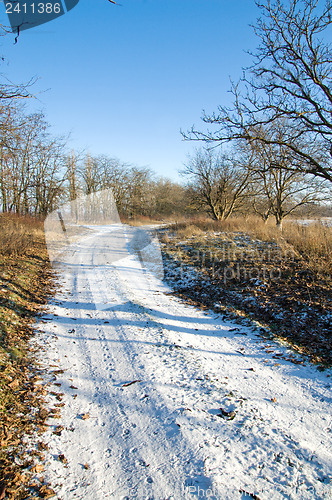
[279, 222]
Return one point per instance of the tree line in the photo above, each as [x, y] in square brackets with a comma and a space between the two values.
[37, 173]
[251, 179]
[270, 153]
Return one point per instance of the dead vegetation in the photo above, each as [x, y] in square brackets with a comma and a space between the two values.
[140, 220]
[281, 279]
[18, 234]
[312, 241]
[25, 282]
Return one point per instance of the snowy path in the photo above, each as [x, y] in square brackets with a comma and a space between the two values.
[164, 436]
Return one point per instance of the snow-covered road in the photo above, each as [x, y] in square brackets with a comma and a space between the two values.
[164, 401]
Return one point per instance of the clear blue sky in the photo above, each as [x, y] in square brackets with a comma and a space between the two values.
[124, 79]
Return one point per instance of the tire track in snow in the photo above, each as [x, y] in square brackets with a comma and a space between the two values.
[252, 452]
[149, 427]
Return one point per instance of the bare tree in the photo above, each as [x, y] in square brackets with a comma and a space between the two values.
[90, 175]
[279, 190]
[48, 176]
[71, 162]
[140, 194]
[31, 164]
[8, 90]
[17, 142]
[115, 176]
[216, 183]
[8, 136]
[132, 187]
[290, 79]
[169, 198]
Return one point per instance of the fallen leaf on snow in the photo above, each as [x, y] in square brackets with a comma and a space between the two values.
[58, 430]
[42, 446]
[46, 492]
[38, 468]
[230, 415]
[62, 459]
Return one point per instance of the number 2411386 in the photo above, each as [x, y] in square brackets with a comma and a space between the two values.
[33, 8]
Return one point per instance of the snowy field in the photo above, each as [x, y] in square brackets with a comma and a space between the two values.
[326, 221]
[164, 401]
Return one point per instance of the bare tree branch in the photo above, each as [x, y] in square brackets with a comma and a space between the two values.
[290, 80]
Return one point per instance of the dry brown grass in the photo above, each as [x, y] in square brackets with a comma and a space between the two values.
[251, 225]
[140, 221]
[19, 234]
[282, 279]
[187, 231]
[313, 241]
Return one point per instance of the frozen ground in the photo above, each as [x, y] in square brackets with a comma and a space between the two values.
[327, 221]
[164, 401]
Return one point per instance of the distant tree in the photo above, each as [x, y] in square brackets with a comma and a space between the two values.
[280, 190]
[216, 184]
[90, 175]
[169, 198]
[31, 163]
[132, 186]
[71, 163]
[10, 123]
[115, 176]
[48, 176]
[140, 193]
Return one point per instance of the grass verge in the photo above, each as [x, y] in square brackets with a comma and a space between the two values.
[25, 283]
[280, 279]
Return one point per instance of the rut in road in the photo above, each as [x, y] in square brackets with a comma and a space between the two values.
[209, 413]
